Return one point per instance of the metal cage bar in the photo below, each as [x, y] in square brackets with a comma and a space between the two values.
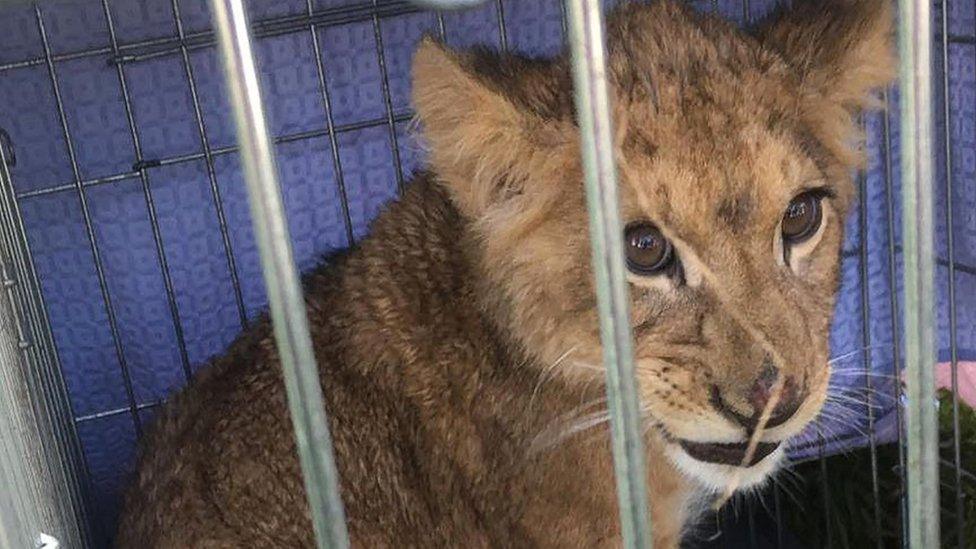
[862, 221]
[190, 157]
[330, 126]
[502, 28]
[89, 227]
[824, 485]
[751, 520]
[273, 26]
[150, 204]
[448, 4]
[294, 343]
[441, 27]
[211, 170]
[893, 304]
[290, 24]
[593, 105]
[276, 26]
[778, 515]
[951, 269]
[29, 289]
[40, 358]
[387, 98]
[917, 244]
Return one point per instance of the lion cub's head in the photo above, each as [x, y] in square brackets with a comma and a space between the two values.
[736, 154]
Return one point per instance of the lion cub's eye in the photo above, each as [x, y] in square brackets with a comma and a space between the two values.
[802, 218]
[648, 251]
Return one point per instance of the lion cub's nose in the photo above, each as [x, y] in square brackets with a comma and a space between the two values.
[762, 391]
[758, 397]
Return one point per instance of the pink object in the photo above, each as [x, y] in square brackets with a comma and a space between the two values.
[967, 380]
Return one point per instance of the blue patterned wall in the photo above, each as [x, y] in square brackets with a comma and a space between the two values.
[193, 208]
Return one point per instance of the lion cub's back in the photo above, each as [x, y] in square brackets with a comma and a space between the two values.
[218, 465]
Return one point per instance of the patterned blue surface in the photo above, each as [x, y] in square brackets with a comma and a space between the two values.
[186, 206]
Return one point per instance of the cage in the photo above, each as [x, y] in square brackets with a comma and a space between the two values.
[128, 255]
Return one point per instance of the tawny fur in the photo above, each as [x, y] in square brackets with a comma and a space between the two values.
[458, 343]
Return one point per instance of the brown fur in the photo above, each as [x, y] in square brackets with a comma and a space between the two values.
[458, 343]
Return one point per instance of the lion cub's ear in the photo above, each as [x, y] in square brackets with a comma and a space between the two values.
[484, 130]
[842, 49]
[842, 52]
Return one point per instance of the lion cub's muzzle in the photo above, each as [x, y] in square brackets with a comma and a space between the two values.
[758, 397]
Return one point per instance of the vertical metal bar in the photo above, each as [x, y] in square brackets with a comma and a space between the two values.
[174, 310]
[751, 518]
[57, 406]
[825, 487]
[294, 342]
[89, 229]
[330, 124]
[895, 328]
[39, 401]
[387, 99]
[915, 61]
[211, 172]
[862, 217]
[502, 29]
[593, 106]
[746, 12]
[778, 510]
[564, 21]
[441, 28]
[43, 337]
[951, 251]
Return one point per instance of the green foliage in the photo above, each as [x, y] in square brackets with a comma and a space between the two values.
[849, 492]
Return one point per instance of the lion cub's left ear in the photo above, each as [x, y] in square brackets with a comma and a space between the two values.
[842, 50]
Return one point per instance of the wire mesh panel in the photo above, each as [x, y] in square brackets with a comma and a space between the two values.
[41, 467]
[128, 187]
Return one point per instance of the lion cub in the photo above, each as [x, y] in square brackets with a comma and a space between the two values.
[458, 343]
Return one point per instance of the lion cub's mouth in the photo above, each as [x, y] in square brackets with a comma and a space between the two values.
[727, 453]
